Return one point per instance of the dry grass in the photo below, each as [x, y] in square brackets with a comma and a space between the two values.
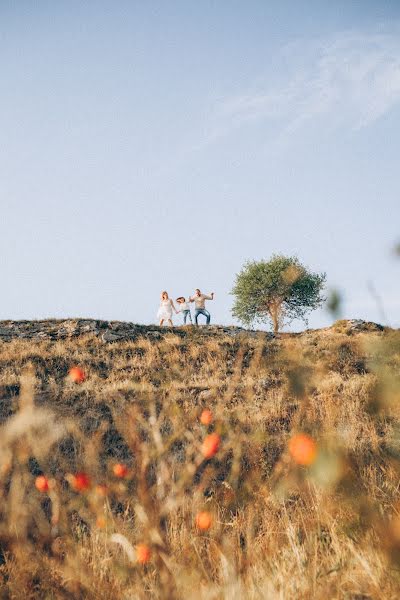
[280, 530]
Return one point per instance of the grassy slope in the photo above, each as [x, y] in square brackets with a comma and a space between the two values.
[279, 530]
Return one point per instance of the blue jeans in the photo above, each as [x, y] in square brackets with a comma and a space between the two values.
[186, 314]
[202, 311]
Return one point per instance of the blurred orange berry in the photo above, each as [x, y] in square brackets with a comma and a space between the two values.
[120, 470]
[42, 483]
[80, 482]
[203, 520]
[206, 417]
[303, 449]
[210, 445]
[143, 554]
[100, 522]
[77, 374]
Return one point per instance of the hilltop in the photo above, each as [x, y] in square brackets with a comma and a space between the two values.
[111, 331]
[115, 353]
[284, 523]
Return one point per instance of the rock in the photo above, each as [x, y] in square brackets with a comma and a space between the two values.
[111, 336]
[356, 325]
[5, 331]
[154, 335]
[360, 325]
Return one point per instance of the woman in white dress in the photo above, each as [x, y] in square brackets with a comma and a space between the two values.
[165, 311]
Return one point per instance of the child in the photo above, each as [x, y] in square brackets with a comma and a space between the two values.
[184, 309]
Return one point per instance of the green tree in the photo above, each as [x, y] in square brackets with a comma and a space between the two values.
[277, 291]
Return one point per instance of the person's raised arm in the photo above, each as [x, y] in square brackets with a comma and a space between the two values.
[210, 297]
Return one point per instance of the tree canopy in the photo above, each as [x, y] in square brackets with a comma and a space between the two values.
[277, 291]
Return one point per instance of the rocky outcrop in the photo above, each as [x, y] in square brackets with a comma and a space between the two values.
[113, 331]
[357, 325]
[107, 331]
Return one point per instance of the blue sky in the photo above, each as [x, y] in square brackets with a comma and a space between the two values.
[150, 146]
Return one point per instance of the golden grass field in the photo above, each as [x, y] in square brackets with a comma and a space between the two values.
[132, 503]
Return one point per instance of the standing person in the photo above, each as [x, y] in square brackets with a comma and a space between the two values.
[184, 308]
[165, 311]
[199, 300]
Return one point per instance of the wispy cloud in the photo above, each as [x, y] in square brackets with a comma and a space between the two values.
[351, 80]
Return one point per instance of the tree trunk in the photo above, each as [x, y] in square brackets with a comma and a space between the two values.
[275, 312]
[276, 325]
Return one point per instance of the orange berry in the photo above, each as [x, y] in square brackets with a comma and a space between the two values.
[206, 417]
[77, 375]
[203, 520]
[143, 554]
[303, 449]
[120, 470]
[80, 482]
[100, 522]
[42, 483]
[210, 445]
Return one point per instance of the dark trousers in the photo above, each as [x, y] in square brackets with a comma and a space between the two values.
[202, 311]
[186, 314]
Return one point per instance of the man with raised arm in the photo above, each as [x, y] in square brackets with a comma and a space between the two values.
[199, 300]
